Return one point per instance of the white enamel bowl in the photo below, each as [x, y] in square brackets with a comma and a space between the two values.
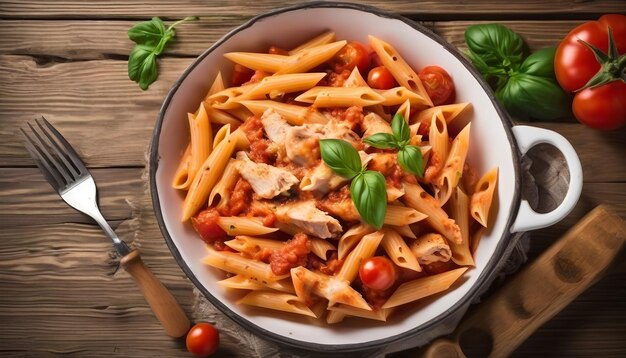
[494, 142]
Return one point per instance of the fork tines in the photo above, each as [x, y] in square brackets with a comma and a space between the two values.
[54, 156]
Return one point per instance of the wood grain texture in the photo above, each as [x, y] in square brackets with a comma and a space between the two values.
[69, 9]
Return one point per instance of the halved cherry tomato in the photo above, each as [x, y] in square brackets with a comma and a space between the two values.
[377, 273]
[380, 78]
[205, 223]
[202, 340]
[241, 75]
[353, 54]
[438, 84]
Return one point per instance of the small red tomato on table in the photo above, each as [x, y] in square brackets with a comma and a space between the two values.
[438, 84]
[202, 339]
[591, 61]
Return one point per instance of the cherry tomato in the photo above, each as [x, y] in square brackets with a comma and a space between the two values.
[603, 107]
[380, 78]
[377, 273]
[202, 340]
[574, 63]
[275, 50]
[375, 59]
[438, 84]
[241, 75]
[205, 223]
[353, 54]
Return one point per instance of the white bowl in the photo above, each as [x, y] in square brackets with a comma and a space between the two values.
[494, 142]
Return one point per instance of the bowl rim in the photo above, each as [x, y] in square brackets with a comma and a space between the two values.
[485, 276]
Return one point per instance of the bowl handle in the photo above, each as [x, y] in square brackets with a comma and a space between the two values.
[528, 219]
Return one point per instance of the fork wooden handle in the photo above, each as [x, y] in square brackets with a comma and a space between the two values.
[163, 304]
[540, 291]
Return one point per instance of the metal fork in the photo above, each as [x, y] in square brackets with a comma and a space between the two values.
[67, 174]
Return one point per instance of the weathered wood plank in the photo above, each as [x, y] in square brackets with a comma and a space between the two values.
[27, 199]
[99, 39]
[68, 9]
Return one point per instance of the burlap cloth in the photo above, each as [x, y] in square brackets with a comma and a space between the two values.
[545, 180]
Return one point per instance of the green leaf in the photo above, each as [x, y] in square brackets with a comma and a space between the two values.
[381, 141]
[400, 128]
[142, 66]
[411, 160]
[341, 157]
[534, 96]
[147, 32]
[540, 63]
[496, 45]
[369, 194]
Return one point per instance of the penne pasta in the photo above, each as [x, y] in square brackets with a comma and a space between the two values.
[476, 236]
[352, 237]
[321, 39]
[452, 171]
[284, 83]
[294, 114]
[227, 98]
[401, 71]
[182, 171]
[438, 136]
[237, 264]
[321, 247]
[241, 282]
[364, 249]
[251, 245]
[398, 251]
[222, 133]
[217, 85]
[259, 61]
[449, 111]
[239, 112]
[355, 79]
[241, 225]
[399, 95]
[459, 211]
[423, 287]
[224, 185]
[324, 96]
[311, 57]
[219, 116]
[404, 231]
[401, 215]
[201, 143]
[483, 196]
[379, 314]
[277, 301]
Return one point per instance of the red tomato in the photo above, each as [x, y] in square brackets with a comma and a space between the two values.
[377, 273]
[375, 59]
[438, 84]
[602, 107]
[202, 340]
[241, 75]
[205, 223]
[354, 54]
[275, 50]
[380, 78]
[574, 63]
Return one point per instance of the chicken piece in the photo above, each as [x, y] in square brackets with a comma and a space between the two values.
[309, 219]
[275, 126]
[431, 248]
[373, 123]
[302, 144]
[339, 204]
[341, 130]
[266, 181]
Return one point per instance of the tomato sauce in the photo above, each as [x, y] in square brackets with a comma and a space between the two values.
[294, 253]
[259, 153]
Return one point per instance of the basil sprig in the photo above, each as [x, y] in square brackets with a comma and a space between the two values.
[151, 38]
[368, 188]
[409, 156]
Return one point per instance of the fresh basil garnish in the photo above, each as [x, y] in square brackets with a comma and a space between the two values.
[341, 157]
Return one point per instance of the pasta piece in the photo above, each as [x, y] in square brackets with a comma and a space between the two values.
[321, 247]
[352, 237]
[201, 143]
[294, 114]
[399, 251]
[398, 215]
[319, 308]
[355, 79]
[240, 112]
[379, 314]
[219, 116]
[423, 287]
[225, 184]
[242, 282]
[217, 85]
[276, 301]
[394, 193]
[373, 123]
[452, 171]
[334, 317]
[182, 172]
[333, 288]
[281, 84]
[401, 71]
[209, 173]
[325, 96]
[321, 39]
[404, 231]
[222, 133]
[227, 98]
[252, 245]
[483, 196]
[241, 225]
[421, 201]
[311, 57]
[237, 264]
[431, 248]
[478, 234]
[363, 250]
[449, 111]
[399, 95]
[459, 211]
[259, 61]
[438, 137]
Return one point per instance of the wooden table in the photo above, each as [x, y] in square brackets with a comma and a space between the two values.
[60, 288]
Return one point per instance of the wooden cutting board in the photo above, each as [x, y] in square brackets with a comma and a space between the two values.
[541, 290]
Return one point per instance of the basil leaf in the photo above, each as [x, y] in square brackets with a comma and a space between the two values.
[540, 63]
[341, 157]
[142, 66]
[400, 128]
[369, 194]
[534, 96]
[496, 45]
[411, 160]
[381, 141]
[147, 32]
